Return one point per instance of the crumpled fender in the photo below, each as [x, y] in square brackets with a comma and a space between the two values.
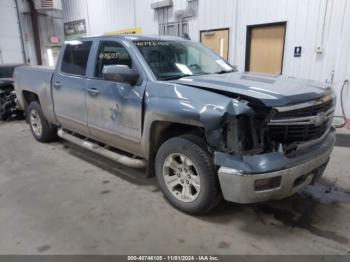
[193, 106]
[215, 117]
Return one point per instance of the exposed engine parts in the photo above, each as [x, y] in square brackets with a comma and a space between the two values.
[283, 129]
[7, 103]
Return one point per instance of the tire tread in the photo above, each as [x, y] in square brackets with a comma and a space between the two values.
[49, 132]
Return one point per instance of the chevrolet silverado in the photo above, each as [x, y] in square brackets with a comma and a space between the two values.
[176, 108]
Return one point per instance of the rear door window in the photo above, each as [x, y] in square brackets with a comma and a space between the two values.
[75, 58]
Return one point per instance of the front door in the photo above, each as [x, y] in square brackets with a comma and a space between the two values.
[69, 83]
[114, 109]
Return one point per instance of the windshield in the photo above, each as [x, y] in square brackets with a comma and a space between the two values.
[6, 71]
[175, 59]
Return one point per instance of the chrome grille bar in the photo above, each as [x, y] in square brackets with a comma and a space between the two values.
[304, 105]
[302, 123]
[308, 120]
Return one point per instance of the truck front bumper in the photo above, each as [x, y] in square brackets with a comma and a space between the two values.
[263, 177]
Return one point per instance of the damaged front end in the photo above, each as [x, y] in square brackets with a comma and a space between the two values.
[270, 153]
[7, 102]
[249, 128]
[242, 129]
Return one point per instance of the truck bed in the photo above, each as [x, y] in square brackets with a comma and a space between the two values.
[37, 80]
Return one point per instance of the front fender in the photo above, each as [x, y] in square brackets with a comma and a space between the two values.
[192, 106]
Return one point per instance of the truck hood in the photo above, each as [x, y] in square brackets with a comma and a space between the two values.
[272, 91]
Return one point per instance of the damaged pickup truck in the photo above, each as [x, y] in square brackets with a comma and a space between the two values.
[173, 106]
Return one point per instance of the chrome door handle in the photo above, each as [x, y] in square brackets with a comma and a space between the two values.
[57, 85]
[93, 91]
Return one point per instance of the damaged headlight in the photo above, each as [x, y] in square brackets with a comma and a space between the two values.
[242, 136]
[240, 129]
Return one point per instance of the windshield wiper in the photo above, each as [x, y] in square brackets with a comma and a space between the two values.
[174, 77]
[224, 72]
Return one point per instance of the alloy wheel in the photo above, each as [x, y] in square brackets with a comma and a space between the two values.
[181, 177]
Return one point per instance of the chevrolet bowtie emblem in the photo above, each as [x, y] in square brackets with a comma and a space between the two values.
[319, 119]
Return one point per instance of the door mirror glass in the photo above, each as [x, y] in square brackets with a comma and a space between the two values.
[120, 73]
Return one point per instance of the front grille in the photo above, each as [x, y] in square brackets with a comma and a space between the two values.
[296, 133]
[306, 111]
[302, 124]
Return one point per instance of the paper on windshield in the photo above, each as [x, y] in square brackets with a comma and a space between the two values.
[184, 69]
[223, 64]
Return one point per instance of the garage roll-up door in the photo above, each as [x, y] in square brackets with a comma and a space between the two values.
[10, 39]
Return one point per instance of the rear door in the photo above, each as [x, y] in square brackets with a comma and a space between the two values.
[69, 87]
[115, 108]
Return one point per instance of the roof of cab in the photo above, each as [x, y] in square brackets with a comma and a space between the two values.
[10, 65]
[135, 37]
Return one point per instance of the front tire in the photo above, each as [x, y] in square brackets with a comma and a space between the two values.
[187, 176]
[42, 130]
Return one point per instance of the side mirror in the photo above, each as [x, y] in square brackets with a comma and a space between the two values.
[120, 73]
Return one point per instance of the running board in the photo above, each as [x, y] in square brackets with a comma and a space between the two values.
[121, 159]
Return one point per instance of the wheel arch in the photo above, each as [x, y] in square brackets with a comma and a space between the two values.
[45, 103]
[161, 131]
[28, 97]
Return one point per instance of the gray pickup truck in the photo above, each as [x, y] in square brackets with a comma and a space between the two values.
[174, 107]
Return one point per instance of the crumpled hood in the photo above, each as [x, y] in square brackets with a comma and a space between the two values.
[273, 91]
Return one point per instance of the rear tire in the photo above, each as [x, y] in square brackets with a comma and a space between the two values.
[42, 130]
[187, 176]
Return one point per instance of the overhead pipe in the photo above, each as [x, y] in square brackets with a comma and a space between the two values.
[189, 11]
[21, 33]
[35, 25]
[324, 22]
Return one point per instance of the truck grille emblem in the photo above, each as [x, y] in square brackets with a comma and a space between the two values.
[319, 119]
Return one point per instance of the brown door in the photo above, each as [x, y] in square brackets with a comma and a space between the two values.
[265, 46]
[216, 40]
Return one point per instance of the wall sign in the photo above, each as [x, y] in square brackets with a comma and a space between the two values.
[297, 51]
[54, 39]
[75, 29]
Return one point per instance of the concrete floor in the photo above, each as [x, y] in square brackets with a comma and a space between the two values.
[59, 199]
